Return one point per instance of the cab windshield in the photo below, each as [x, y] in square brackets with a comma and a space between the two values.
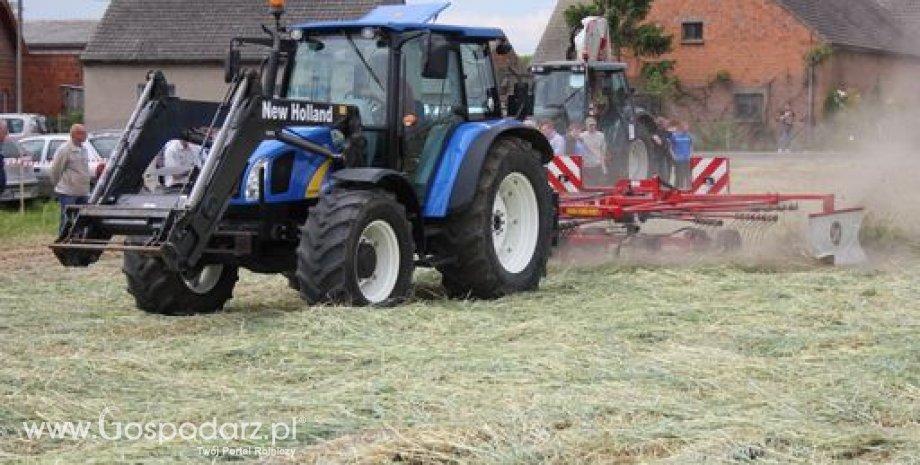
[558, 93]
[346, 69]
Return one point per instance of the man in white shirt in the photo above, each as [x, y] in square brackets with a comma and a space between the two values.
[594, 160]
[556, 141]
[183, 156]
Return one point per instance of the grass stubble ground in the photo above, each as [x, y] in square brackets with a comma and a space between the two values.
[689, 361]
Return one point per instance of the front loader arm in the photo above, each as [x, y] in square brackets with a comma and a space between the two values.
[179, 227]
[243, 131]
[176, 227]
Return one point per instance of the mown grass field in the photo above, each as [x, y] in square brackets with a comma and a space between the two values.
[690, 362]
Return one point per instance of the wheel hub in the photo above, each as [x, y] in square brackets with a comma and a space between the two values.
[204, 280]
[377, 261]
[367, 260]
[638, 160]
[515, 222]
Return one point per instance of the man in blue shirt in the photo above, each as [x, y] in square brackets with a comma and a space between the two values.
[682, 148]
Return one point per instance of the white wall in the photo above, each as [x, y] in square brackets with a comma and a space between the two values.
[111, 90]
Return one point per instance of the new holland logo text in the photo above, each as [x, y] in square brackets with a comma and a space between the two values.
[297, 112]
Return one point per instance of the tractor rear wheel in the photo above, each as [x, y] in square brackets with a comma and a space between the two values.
[501, 243]
[643, 158]
[356, 248]
[157, 289]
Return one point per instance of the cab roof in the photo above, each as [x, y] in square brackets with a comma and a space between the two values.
[401, 18]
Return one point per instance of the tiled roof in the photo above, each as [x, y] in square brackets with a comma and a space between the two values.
[65, 33]
[193, 31]
[883, 25]
[854, 23]
[555, 41]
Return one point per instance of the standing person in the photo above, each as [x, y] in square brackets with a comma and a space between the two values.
[70, 171]
[661, 136]
[182, 156]
[556, 141]
[595, 156]
[682, 148]
[786, 119]
[573, 143]
[4, 140]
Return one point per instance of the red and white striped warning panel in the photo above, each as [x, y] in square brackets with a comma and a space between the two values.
[710, 175]
[564, 173]
[19, 162]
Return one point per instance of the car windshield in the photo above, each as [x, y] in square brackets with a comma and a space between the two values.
[560, 90]
[343, 69]
[104, 145]
[14, 125]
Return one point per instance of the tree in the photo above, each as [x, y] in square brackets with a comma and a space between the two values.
[626, 29]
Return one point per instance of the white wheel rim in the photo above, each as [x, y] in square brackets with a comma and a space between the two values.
[515, 223]
[638, 160]
[381, 237]
[205, 280]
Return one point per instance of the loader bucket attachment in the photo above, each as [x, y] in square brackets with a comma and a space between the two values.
[834, 236]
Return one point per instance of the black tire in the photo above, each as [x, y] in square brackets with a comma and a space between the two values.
[727, 241]
[335, 251]
[467, 257]
[156, 289]
[292, 282]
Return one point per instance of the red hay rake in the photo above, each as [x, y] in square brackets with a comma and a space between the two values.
[614, 216]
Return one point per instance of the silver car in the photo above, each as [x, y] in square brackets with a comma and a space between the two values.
[41, 149]
[21, 181]
[24, 124]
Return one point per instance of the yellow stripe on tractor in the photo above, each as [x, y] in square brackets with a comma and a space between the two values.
[317, 182]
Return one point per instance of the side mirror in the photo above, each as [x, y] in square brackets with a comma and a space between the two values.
[503, 47]
[232, 65]
[437, 59]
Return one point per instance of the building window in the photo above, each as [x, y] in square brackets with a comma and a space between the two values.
[692, 32]
[749, 107]
[72, 97]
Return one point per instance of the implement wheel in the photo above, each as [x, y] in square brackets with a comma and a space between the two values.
[501, 243]
[157, 289]
[356, 248]
[727, 241]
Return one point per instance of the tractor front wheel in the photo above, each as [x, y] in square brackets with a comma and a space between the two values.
[356, 248]
[501, 243]
[157, 289]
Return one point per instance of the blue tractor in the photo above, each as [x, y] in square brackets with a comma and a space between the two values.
[358, 151]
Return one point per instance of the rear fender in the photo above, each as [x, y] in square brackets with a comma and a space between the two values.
[454, 184]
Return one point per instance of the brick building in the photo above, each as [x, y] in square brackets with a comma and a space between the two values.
[8, 34]
[54, 74]
[742, 61]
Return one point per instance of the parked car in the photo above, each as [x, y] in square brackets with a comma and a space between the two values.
[99, 146]
[21, 181]
[24, 124]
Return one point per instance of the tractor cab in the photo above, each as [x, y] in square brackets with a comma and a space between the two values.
[411, 82]
[567, 93]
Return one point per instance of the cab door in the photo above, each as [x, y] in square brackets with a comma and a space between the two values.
[429, 109]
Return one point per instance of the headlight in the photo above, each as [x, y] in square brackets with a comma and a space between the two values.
[253, 186]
